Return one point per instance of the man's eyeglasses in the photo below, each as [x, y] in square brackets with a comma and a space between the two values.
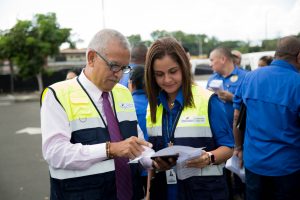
[114, 67]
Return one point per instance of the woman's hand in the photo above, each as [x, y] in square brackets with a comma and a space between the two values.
[199, 162]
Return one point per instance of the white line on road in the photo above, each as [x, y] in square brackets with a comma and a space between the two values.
[5, 103]
[30, 131]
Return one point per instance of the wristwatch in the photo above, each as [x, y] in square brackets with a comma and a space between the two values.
[211, 158]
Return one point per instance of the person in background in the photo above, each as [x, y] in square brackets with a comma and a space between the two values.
[225, 70]
[89, 127]
[138, 57]
[270, 151]
[71, 74]
[265, 61]
[237, 58]
[181, 113]
[222, 63]
[136, 86]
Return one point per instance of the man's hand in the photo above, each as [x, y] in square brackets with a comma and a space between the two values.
[225, 95]
[239, 154]
[199, 162]
[129, 148]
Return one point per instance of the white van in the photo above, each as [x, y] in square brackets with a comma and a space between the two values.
[251, 59]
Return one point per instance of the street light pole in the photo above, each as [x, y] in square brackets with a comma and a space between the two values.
[200, 47]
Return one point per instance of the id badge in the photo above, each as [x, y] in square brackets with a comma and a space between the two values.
[171, 176]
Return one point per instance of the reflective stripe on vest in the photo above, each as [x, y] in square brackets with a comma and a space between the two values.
[193, 123]
[82, 115]
[98, 168]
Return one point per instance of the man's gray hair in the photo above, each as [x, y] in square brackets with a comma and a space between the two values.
[101, 39]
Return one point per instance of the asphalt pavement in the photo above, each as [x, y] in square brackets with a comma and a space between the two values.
[23, 171]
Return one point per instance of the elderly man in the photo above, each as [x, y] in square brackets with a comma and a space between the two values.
[89, 127]
[271, 146]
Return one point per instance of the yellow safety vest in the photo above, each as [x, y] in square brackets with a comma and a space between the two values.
[193, 124]
[86, 123]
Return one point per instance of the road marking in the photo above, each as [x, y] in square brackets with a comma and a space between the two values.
[5, 103]
[30, 131]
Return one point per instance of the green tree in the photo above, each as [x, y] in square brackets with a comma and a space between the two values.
[158, 34]
[269, 45]
[134, 39]
[7, 53]
[36, 40]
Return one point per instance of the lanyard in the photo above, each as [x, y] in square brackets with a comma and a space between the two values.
[113, 107]
[170, 133]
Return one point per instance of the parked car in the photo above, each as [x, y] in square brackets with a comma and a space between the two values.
[201, 66]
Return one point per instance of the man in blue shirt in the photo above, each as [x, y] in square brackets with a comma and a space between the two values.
[137, 57]
[222, 62]
[231, 75]
[271, 146]
[136, 86]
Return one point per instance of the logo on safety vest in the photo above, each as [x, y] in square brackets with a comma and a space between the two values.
[126, 105]
[197, 120]
[82, 119]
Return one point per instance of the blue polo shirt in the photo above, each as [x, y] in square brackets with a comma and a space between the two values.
[230, 84]
[222, 131]
[272, 137]
[141, 102]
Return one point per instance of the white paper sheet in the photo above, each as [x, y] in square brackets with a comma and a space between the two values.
[233, 165]
[182, 171]
[147, 153]
[216, 85]
[185, 153]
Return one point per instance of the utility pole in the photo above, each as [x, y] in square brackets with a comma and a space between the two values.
[200, 47]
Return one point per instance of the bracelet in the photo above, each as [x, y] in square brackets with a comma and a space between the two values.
[107, 150]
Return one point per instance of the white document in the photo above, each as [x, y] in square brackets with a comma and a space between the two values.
[233, 165]
[185, 153]
[216, 85]
[148, 152]
[182, 171]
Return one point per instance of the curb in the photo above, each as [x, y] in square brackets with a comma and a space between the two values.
[20, 98]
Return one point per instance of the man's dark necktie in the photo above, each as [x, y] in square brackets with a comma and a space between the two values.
[122, 169]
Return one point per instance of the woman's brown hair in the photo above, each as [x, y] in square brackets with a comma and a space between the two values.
[160, 48]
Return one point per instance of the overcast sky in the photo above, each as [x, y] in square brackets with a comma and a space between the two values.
[245, 20]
